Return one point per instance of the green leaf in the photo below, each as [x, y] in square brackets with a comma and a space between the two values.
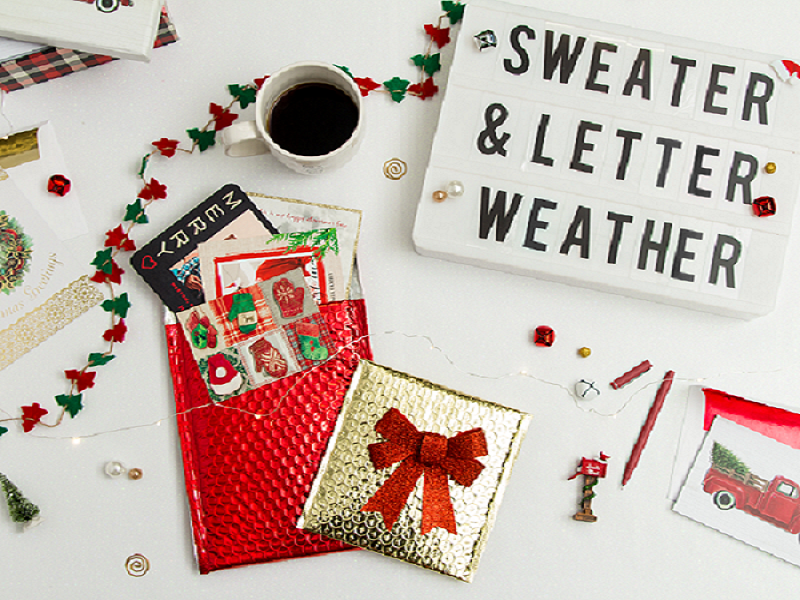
[345, 69]
[103, 262]
[145, 160]
[3, 430]
[96, 359]
[454, 10]
[245, 95]
[397, 88]
[430, 63]
[204, 139]
[118, 305]
[134, 212]
[71, 403]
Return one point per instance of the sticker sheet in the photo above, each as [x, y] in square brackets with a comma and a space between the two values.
[256, 335]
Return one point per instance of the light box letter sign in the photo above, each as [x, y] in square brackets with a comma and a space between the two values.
[611, 158]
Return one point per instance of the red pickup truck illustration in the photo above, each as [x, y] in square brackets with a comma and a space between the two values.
[776, 501]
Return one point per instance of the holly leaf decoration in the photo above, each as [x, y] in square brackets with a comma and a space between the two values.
[397, 88]
[3, 430]
[114, 277]
[454, 10]
[429, 63]
[366, 85]
[116, 333]
[71, 403]
[118, 306]
[345, 69]
[31, 415]
[134, 212]
[103, 261]
[204, 139]
[259, 81]
[96, 359]
[245, 95]
[424, 90]
[167, 147]
[117, 238]
[439, 35]
[222, 116]
[153, 190]
[81, 379]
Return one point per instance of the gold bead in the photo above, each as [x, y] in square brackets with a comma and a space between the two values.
[770, 167]
[135, 474]
[439, 196]
[584, 352]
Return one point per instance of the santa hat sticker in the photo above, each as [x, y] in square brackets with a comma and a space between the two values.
[787, 70]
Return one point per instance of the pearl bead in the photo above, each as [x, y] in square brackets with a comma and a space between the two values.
[114, 468]
[439, 196]
[455, 189]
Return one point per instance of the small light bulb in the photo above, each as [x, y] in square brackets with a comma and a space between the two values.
[76, 441]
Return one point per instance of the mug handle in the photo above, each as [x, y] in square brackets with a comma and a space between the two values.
[243, 139]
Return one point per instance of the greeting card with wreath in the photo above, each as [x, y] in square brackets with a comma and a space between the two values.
[41, 288]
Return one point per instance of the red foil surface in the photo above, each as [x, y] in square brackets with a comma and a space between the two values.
[247, 479]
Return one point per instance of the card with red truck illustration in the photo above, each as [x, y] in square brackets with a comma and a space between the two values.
[745, 484]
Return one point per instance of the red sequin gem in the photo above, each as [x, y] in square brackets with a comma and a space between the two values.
[544, 336]
[58, 185]
[764, 206]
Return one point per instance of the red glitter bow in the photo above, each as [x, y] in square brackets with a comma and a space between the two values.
[422, 452]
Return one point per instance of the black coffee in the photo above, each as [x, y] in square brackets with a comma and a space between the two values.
[312, 119]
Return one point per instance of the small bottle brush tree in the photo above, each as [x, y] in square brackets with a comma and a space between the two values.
[20, 508]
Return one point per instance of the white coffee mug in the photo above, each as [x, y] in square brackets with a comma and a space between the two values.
[249, 138]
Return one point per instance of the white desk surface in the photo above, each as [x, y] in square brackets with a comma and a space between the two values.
[106, 118]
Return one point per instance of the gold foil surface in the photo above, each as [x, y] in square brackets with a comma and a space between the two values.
[19, 148]
[45, 320]
[347, 478]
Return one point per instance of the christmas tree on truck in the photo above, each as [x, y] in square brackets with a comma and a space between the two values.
[732, 485]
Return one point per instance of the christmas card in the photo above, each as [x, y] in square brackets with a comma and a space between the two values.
[745, 484]
[705, 404]
[293, 216]
[170, 263]
[227, 265]
[118, 28]
[41, 288]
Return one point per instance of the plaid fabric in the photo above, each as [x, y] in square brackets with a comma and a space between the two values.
[231, 334]
[52, 63]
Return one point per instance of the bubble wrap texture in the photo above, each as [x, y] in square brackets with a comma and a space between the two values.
[347, 478]
[247, 479]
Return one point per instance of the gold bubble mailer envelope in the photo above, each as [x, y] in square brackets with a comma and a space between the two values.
[408, 457]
